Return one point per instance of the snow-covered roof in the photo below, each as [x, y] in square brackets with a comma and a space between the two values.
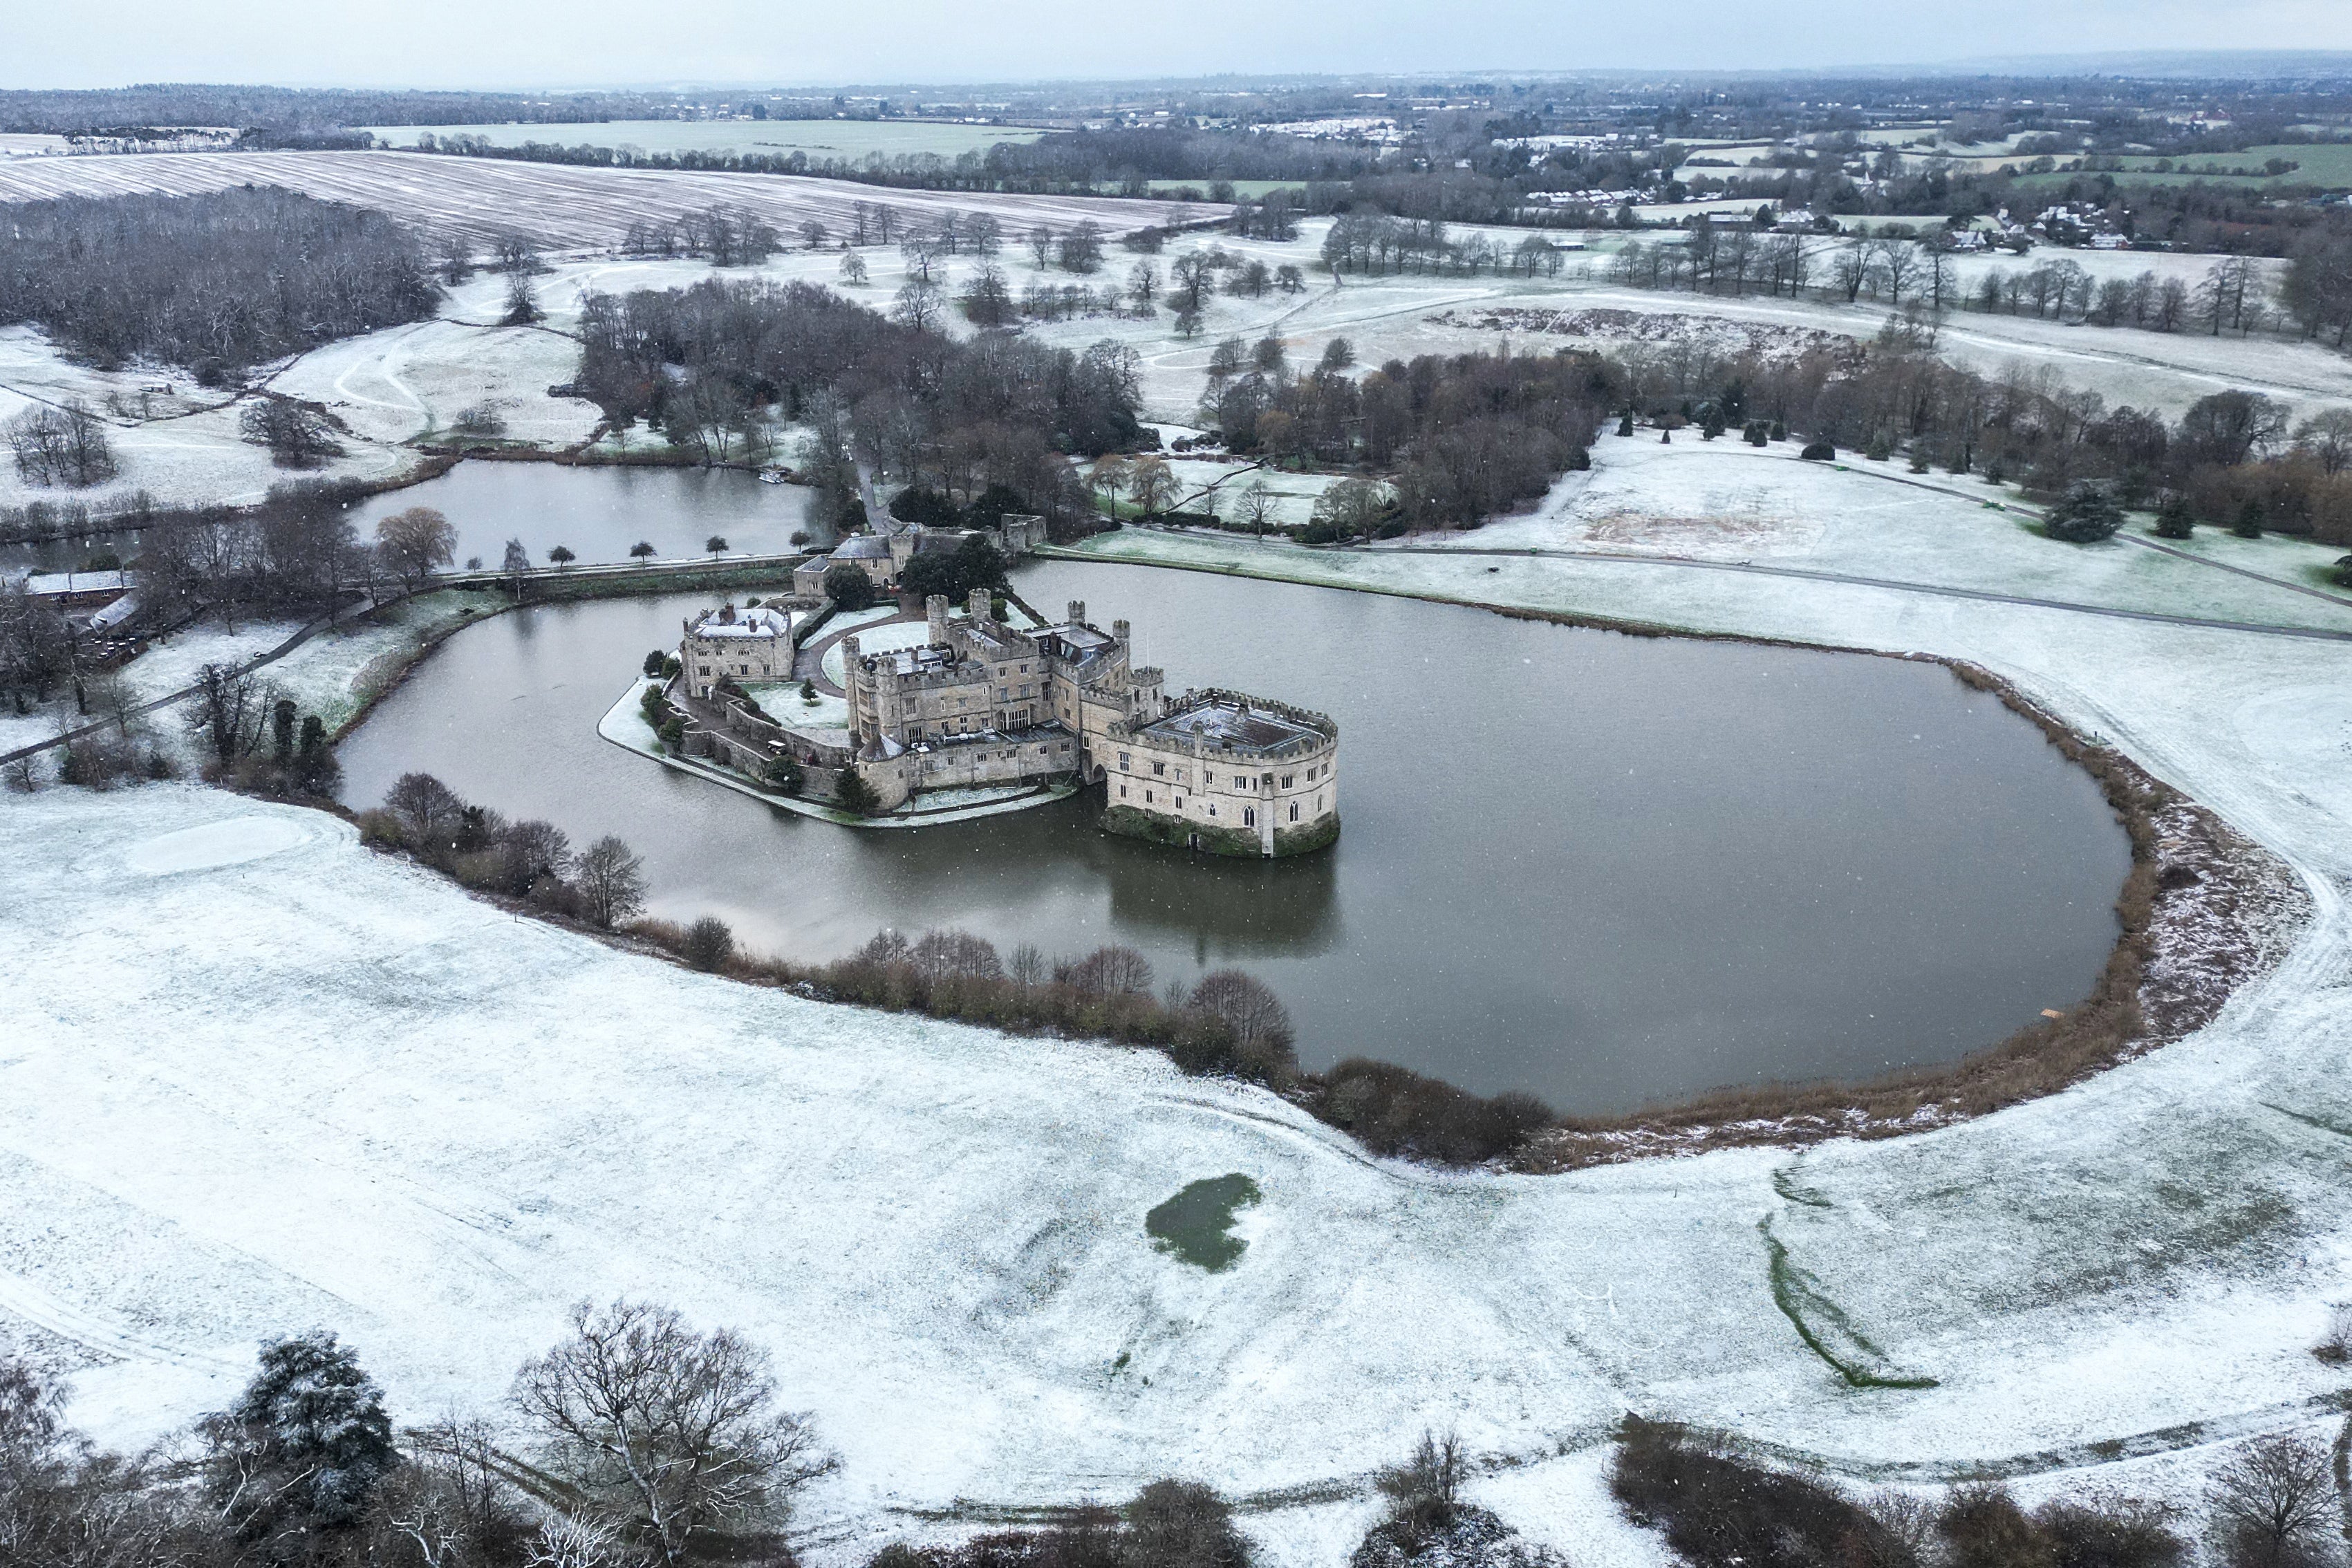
[862, 547]
[65, 585]
[763, 622]
[115, 614]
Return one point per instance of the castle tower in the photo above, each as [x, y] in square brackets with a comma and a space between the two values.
[1077, 612]
[936, 608]
[978, 606]
[1119, 633]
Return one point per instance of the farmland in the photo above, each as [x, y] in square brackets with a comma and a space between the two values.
[560, 206]
[854, 139]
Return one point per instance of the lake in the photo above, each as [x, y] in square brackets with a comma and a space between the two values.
[1611, 869]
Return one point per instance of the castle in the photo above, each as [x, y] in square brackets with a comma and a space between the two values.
[980, 704]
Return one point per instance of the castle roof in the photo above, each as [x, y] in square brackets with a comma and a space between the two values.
[862, 547]
[1235, 723]
[762, 622]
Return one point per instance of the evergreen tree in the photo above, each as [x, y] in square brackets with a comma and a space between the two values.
[2173, 520]
[303, 1447]
[2250, 520]
[2087, 515]
[852, 792]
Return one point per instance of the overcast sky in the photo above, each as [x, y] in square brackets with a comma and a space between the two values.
[592, 43]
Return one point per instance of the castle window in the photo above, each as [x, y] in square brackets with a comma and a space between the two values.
[1285, 781]
[1207, 780]
[1249, 818]
[1125, 762]
[1160, 769]
[1147, 797]
[1122, 791]
[1294, 811]
[1212, 808]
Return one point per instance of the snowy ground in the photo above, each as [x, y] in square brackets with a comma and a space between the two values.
[276, 1080]
[396, 385]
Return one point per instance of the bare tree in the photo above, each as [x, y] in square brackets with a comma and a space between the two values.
[1244, 1003]
[612, 881]
[232, 707]
[674, 1432]
[296, 436]
[1041, 245]
[1028, 967]
[425, 807]
[2274, 1503]
[1107, 972]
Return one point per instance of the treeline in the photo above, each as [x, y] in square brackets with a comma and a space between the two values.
[217, 282]
[1227, 1025]
[110, 110]
[2312, 295]
[1465, 436]
[706, 364]
[2233, 458]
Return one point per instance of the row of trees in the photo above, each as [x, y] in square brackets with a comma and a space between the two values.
[604, 884]
[217, 282]
[2312, 295]
[1896, 394]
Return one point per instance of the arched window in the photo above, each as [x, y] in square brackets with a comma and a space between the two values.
[1294, 811]
[1249, 818]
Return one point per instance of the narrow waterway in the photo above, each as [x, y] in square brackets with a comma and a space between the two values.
[1607, 868]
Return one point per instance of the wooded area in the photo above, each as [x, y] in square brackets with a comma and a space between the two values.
[217, 283]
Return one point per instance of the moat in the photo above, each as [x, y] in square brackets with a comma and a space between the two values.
[1609, 869]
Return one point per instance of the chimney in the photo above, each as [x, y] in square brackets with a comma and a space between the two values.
[1077, 612]
[935, 606]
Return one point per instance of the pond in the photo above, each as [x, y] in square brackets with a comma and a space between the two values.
[597, 513]
[1606, 868]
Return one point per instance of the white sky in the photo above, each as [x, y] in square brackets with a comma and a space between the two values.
[587, 42]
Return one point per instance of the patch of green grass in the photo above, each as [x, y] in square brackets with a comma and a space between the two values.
[1784, 1182]
[1196, 1224]
[1824, 1327]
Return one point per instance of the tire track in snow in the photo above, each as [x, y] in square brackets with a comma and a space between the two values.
[103, 1333]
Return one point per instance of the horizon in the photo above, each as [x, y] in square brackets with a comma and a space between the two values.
[713, 44]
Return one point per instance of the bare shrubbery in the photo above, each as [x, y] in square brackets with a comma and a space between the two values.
[1395, 1111]
[1170, 1524]
[1428, 1521]
[530, 859]
[1718, 1510]
[2335, 1347]
[1228, 1024]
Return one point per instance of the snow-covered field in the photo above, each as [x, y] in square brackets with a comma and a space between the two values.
[269, 1080]
[561, 207]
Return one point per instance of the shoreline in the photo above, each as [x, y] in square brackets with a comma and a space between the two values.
[2105, 1031]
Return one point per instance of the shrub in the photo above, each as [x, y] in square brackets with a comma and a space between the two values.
[848, 586]
[1395, 1111]
[1879, 449]
[2110, 1532]
[1818, 452]
[784, 774]
[708, 943]
[1718, 1511]
[2342, 572]
[2250, 520]
[2173, 517]
[1984, 1527]
[2087, 514]
[1626, 424]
